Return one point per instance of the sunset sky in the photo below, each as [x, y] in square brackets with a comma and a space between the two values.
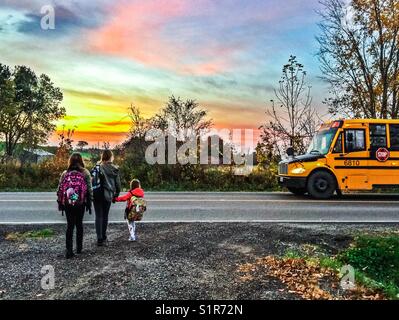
[104, 55]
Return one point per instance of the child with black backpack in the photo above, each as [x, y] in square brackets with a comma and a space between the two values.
[135, 206]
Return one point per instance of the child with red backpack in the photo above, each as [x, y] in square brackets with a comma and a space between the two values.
[75, 195]
[135, 206]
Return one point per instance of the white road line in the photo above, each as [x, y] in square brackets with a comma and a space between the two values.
[208, 192]
[239, 200]
[169, 192]
[219, 221]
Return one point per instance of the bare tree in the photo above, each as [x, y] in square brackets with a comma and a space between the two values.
[64, 146]
[65, 138]
[293, 119]
[136, 144]
[106, 145]
[359, 55]
[139, 125]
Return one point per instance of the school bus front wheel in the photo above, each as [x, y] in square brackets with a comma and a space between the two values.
[321, 185]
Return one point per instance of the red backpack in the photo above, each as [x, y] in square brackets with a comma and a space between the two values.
[73, 190]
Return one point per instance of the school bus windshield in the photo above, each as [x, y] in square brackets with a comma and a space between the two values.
[321, 142]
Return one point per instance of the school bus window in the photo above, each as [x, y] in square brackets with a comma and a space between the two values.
[321, 142]
[355, 140]
[378, 136]
[338, 145]
[394, 136]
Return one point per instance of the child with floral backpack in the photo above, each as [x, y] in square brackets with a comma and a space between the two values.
[74, 196]
[135, 206]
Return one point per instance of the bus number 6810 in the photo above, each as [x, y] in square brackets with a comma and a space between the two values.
[352, 163]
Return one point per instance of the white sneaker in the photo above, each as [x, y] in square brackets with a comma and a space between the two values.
[132, 239]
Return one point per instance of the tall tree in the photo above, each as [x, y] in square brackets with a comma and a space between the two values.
[359, 55]
[179, 119]
[182, 119]
[7, 94]
[81, 144]
[292, 119]
[29, 105]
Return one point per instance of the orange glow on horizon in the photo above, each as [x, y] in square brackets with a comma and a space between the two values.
[97, 138]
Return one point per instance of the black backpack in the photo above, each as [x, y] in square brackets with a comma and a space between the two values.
[97, 178]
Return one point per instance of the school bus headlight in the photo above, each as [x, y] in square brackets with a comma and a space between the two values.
[298, 170]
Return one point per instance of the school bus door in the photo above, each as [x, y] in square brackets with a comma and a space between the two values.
[351, 165]
[383, 172]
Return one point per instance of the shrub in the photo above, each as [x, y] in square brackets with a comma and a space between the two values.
[45, 176]
[197, 177]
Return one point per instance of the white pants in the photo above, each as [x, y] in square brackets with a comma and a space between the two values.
[132, 230]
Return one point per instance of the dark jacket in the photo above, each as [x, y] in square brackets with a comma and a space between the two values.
[111, 180]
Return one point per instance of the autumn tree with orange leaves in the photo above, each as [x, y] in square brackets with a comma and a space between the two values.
[359, 55]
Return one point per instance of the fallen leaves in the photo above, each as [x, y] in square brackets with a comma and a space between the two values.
[304, 278]
[300, 277]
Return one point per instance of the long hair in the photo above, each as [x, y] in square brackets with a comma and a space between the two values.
[135, 183]
[107, 156]
[76, 162]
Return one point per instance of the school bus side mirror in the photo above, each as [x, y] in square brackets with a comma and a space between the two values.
[290, 151]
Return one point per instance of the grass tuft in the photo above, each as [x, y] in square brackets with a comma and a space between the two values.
[36, 234]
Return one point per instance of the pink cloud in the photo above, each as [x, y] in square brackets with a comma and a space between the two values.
[137, 31]
[200, 37]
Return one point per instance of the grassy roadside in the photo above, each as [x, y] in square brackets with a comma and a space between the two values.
[376, 262]
[375, 259]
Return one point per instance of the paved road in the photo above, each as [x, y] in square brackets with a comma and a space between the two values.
[217, 207]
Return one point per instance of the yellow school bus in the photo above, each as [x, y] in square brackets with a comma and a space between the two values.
[344, 156]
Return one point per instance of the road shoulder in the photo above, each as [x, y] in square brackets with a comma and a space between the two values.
[170, 260]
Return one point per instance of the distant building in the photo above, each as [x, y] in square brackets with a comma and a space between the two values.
[35, 155]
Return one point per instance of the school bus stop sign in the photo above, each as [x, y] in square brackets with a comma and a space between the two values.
[382, 154]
